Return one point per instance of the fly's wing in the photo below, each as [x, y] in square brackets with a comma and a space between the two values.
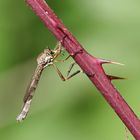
[30, 92]
[33, 84]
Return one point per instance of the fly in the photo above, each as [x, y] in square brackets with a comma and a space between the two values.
[45, 59]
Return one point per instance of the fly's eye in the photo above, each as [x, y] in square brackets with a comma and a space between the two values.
[51, 52]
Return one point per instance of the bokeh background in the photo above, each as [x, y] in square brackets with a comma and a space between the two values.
[72, 110]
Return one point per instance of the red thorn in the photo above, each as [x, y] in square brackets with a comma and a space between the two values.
[103, 61]
[115, 77]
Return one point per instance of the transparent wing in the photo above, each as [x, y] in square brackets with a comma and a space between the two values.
[30, 92]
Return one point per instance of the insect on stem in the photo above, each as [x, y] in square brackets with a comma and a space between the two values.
[46, 58]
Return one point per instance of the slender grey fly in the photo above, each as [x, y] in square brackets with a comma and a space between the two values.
[45, 59]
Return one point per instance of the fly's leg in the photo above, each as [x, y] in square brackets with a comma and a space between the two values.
[70, 68]
[63, 59]
[68, 73]
[59, 73]
[58, 49]
[58, 46]
[73, 74]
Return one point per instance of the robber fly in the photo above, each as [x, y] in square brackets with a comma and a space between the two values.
[45, 59]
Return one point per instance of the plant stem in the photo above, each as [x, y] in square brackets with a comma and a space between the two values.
[91, 66]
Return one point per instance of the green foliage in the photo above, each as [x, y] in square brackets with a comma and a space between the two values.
[73, 110]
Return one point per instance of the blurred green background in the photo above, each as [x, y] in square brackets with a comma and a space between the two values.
[72, 110]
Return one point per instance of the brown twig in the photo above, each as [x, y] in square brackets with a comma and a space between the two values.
[91, 66]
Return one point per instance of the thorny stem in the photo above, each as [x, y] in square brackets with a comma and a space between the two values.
[91, 66]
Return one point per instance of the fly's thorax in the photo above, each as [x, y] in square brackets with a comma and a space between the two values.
[45, 58]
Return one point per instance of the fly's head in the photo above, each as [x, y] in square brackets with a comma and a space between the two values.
[45, 58]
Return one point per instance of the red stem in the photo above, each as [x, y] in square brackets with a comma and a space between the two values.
[91, 66]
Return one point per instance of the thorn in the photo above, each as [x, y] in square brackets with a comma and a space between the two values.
[115, 77]
[103, 61]
[117, 63]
